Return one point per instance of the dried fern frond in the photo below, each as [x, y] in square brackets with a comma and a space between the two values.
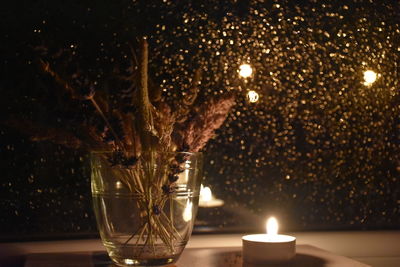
[134, 116]
[183, 109]
[45, 67]
[205, 120]
[100, 105]
[145, 123]
[164, 122]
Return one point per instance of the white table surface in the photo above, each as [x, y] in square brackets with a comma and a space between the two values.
[375, 248]
[306, 256]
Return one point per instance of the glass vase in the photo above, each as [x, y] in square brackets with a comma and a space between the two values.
[145, 208]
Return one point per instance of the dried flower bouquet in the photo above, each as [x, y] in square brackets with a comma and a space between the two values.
[137, 127]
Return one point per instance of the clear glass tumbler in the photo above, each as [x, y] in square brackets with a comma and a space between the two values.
[145, 208]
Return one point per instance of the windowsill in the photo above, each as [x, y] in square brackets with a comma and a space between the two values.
[376, 248]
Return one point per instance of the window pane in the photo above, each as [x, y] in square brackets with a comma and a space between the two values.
[313, 138]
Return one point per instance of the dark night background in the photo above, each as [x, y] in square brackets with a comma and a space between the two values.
[320, 149]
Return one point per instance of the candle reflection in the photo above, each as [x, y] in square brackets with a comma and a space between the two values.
[207, 199]
[187, 213]
[205, 194]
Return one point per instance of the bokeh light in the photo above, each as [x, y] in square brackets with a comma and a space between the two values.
[245, 70]
[252, 96]
[370, 77]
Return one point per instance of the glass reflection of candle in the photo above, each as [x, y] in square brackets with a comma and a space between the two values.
[118, 185]
[187, 212]
[187, 170]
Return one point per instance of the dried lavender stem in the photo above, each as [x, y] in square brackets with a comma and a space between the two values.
[45, 66]
[170, 223]
[136, 178]
[133, 235]
[106, 121]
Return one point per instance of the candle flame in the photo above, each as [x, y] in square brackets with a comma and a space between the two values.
[272, 226]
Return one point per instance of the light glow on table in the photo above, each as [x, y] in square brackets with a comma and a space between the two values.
[269, 239]
[271, 235]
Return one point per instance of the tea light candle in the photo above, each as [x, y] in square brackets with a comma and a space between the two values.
[270, 247]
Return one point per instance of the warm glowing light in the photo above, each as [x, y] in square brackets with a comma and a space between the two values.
[187, 213]
[207, 200]
[128, 261]
[252, 96]
[187, 170]
[205, 194]
[245, 70]
[370, 77]
[272, 226]
[118, 185]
